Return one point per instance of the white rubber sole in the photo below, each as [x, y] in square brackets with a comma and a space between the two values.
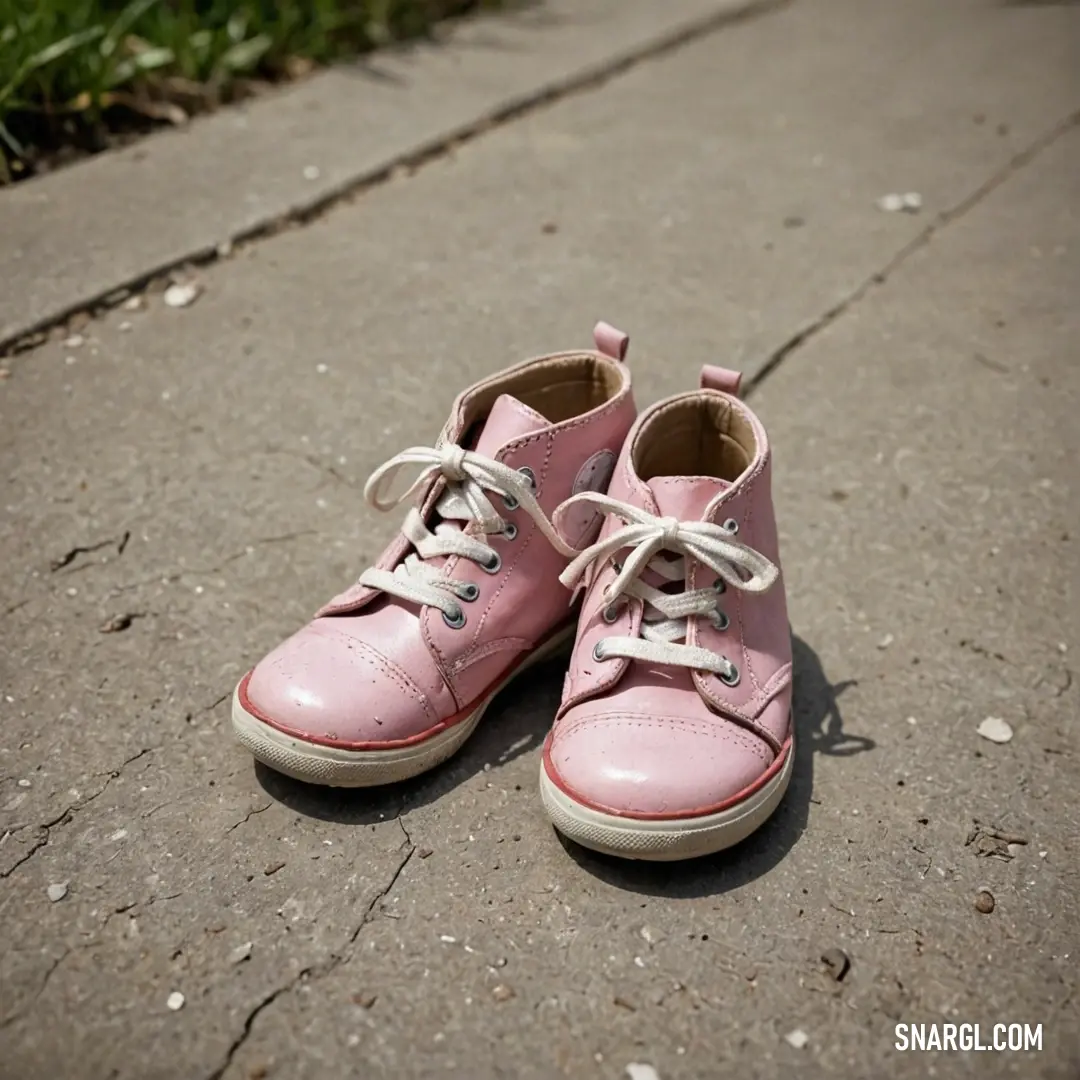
[666, 840]
[333, 766]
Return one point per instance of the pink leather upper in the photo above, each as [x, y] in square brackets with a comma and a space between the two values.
[639, 739]
[373, 671]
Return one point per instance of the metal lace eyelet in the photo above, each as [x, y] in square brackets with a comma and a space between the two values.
[596, 653]
[730, 526]
[493, 565]
[529, 475]
[469, 592]
[455, 621]
[720, 620]
[610, 613]
[731, 676]
[511, 531]
[510, 502]
[720, 585]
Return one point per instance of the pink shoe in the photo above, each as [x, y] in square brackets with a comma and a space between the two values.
[674, 735]
[394, 674]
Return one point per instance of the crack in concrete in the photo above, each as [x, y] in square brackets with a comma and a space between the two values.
[73, 553]
[313, 972]
[1018, 161]
[248, 816]
[201, 712]
[177, 575]
[46, 827]
[127, 909]
[314, 461]
[18, 1014]
[69, 950]
[408, 162]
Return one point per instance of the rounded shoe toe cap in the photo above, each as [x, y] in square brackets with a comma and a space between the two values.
[655, 766]
[325, 686]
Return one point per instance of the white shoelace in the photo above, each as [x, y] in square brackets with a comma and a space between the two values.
[664, 622]
[468, 475]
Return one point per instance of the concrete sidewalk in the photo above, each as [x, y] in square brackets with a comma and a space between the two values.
[199, 470]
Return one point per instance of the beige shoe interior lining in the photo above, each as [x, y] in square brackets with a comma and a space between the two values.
[559, 389]
[696, 437]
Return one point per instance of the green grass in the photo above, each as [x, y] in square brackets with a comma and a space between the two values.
[72, 70]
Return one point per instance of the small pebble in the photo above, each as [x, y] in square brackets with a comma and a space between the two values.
[74, 341]
[134, 303]
[175, 1001]
[797, 1038]
[311, 172]
[322, 369]
[448, 939]
[424, 853]
[909, 203]
[57, 892]
[886, 641]
[984, 901]
[365, 1000]
[638, 1071]
[995, 729]
[240, 953]
[181, 296]
[22, 783]
[912, 721]
[502, 992]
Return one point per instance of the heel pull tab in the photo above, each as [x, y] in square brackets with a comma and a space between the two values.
[610, 342]
[722, 379]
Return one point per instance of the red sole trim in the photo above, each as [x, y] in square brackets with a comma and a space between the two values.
[390, 744]
[682, 815]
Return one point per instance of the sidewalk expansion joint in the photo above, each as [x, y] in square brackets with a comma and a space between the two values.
[1015, 164]
[403, 165]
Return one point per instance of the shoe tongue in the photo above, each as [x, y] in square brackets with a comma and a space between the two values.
[509, 419]
[685, 497]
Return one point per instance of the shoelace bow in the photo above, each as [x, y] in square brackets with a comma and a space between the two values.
[664, 622]
[468, 476]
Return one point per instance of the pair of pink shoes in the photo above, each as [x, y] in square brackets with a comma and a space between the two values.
[674, 735]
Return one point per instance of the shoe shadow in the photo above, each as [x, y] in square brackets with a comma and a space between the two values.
[514, 724]
[819, 729]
